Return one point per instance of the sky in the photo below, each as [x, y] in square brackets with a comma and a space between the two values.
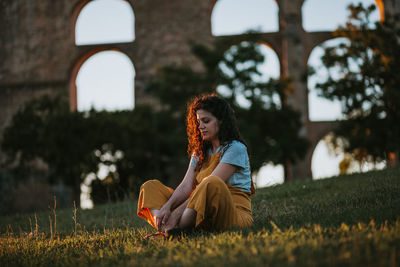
[109, 21]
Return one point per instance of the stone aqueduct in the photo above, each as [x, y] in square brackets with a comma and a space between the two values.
[38, 54]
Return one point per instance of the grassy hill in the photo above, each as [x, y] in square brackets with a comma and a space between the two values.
[351, 220]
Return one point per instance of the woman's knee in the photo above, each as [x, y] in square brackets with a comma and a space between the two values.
[213, 181]
[150, 184]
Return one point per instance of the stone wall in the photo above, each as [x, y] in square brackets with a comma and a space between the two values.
[38, 53]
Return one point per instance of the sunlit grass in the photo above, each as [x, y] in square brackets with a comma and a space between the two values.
[347, 220]
[363, 244]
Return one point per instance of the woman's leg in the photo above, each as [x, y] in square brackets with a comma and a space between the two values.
[188, 219]
[211, 204]
[153, 195]
[154, 212]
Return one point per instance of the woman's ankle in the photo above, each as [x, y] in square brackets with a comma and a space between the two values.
[154, 213]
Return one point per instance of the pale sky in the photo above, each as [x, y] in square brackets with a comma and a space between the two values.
[108, 21]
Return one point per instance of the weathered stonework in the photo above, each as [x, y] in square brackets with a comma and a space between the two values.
[38, 54]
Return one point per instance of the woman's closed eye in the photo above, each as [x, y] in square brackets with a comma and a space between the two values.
[203, 121]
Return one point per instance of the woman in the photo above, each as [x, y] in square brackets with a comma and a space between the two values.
[215, 192]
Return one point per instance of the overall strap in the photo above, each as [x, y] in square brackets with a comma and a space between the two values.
[208, 167]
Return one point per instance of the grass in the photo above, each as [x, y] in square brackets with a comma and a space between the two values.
[347, 220]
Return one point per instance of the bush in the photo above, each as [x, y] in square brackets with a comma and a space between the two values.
[5, 190]
[31, 196]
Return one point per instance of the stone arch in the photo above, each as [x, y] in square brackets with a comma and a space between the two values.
[323, 162]
[79, 8]
[271, 50]
[318, 130]
[309, 3]
[268, 70]
[77, 66]
[218, 30]
[317, 38]
[381, 8]
[313, 60]
[331, 165]
[268, 175]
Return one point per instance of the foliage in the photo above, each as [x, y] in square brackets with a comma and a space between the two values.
[5, 189]
[259, 105]
[363, 75]
[75, 144]
[29, 125]
[346, 220]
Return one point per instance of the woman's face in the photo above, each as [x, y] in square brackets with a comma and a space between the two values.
[208, 125]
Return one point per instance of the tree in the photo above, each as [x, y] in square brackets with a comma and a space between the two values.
[270, 126]
[363, 75]
[42, 130]
[135, 146]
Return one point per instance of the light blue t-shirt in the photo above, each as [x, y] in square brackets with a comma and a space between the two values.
[235, 153]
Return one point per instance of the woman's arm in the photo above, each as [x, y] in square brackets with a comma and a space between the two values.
[180, 194]
[234, 158]
[224, 171]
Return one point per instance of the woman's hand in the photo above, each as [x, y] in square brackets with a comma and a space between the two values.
[172, 222]
[162, 217]
[175, 217]
[167, 221]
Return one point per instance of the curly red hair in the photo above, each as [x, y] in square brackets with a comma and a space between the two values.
[219, 108]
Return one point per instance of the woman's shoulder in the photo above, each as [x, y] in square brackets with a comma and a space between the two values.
[235, 146]
[236, 154]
